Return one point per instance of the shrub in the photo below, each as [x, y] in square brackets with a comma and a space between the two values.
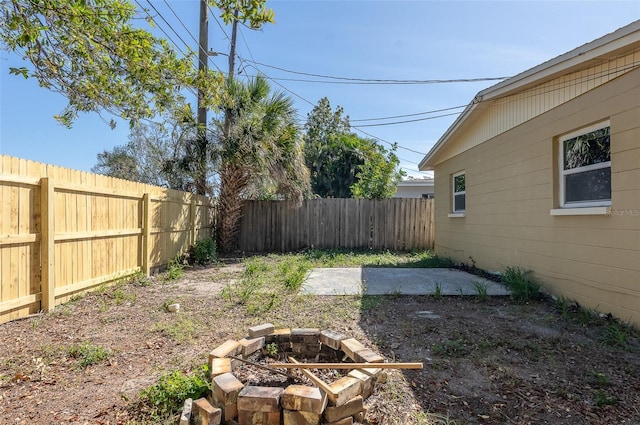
[167, 396]
[523, 290]
[203, 252]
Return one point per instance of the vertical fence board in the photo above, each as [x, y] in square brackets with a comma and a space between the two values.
[394, 224]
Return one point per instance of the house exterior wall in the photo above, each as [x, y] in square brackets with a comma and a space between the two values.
[511, 186]
[510, 111]
[413, 191]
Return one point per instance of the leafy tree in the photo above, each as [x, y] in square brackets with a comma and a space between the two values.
[91, 53]
[263, 149]
[343, 165]
[158, 154]
[379, 176]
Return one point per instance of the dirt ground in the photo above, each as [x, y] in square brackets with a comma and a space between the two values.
[486, 361]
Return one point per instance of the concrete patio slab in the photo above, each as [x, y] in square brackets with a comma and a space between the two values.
[400, 281]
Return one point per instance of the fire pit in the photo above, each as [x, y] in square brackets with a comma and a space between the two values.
[247, 390]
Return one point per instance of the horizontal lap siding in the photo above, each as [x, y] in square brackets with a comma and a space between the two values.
[511, 188]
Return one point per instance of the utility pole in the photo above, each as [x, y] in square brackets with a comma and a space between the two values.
[232, 65]
[201, 142]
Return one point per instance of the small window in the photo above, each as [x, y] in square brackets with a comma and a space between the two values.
[585, 168]
[459, 193]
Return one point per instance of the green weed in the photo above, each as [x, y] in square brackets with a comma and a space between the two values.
[87, 354]
[293, 272]
[437, 293]
[370, 302]
[599, 379]
[175, 269]
[523, 290]
[618, 335]
[271, 349]
[203, 251]
[451, 348]
[182, 329]
[481, 290]
[165, 398]
[601, 399]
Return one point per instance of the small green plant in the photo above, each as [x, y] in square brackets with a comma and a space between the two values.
[601, 399]
[370, 302]
[272, 349]
[181, 330]
[618, 334]
[437, 292]
[293, 272]
[175, 268]
[481, 290]
[88, 354]
[563, 306]
[203, 251]
[523, 290]
[140, 279]
[451, 348]
[600, 379]
[121, 296]
[165, 398]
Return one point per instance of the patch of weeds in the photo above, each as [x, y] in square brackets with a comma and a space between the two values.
[451, 348]
[523, 290]
[62, 310]
[175, 269]
[261, 303]
[120, 296]
[601, 399]
[254, 267]
[481, 290]
[600, 379]
[370, 302]
[203, 252]
[87, 354]
[562, 304]
[271, 349]
[76, 297]
[618, 335]
[181, 329]
[293, 272]
[165, 398]
[425, 418]
[587, 316]
[140, 280]
[437, 292]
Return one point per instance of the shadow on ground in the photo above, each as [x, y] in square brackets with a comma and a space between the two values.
[488, 361]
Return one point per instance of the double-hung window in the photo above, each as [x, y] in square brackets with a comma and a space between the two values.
[459, 192]
[585, 167]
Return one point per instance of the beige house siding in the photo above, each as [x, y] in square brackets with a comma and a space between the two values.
[510, 111]
[511, 186]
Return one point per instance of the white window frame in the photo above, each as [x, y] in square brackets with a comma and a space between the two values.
[454, 193]
[563, 172]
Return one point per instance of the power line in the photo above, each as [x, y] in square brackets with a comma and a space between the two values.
[409, 115]
[408, 121]
[191, 35]
[380, 81]
[218, 22]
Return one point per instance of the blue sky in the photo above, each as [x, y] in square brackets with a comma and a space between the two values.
[391, 40]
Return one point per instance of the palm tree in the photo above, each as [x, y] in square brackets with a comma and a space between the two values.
[262, 148]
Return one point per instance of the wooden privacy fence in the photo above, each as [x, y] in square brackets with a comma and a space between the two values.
[64, 231]
[396, 224]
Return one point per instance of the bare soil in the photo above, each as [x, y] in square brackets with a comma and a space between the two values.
[486, 362]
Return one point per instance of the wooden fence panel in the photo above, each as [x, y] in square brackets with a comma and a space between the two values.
[395, 224]
[63, 232]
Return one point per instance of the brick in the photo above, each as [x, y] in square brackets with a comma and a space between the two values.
[279, 336]
[302, 397]
[259, 399]
[203, 413]
[295, 417]
[345, 421]
[305, 335]
[306, 349]
[250, 346]
[350, 346]
[330, 355]
[368, 382]
[246, 417]
[228, 348]
[225, 389]
[332, 338]
[344, 389]
[219, 365]
[367, 356]
[261, 330]
[185, 416]
[347, 410]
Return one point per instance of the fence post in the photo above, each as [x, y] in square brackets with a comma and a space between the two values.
[192, 221]
[47, 244]
[146, 234]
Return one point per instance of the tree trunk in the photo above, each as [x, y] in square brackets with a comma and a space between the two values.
[233, 180]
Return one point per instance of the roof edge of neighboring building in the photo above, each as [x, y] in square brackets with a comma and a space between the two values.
[611, 42]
